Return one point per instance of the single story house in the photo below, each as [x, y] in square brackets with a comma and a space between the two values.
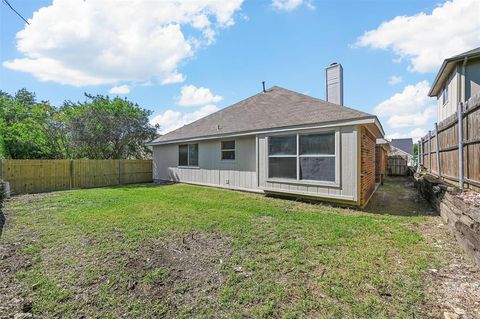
[276, 142]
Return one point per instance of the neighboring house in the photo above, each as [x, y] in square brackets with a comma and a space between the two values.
[402, 147]
[404, 144]
[457, 80]
[279, 142]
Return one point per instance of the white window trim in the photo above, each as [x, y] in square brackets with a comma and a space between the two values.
[228, 150]
[188, 156]
[299, 181]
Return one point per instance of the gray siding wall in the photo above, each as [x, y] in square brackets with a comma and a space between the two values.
[450, 107]
[241, 173]
[347, 189]
[237, 174]
[472, 78]
[468, 86]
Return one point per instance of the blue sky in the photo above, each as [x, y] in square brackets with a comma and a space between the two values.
[213, 54]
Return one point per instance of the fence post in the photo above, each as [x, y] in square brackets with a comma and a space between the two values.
[460, 144]
[437, 149]
[72, 173]
[423, 152]
[119, 171]
[429, 151]
[420, 155]
[1, 169]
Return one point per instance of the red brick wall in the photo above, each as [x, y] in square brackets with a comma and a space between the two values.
[380, 163]
[367, 168]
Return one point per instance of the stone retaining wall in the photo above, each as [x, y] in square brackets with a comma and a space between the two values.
[461, 217]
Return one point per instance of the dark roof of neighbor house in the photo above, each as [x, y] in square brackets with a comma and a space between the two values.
[275, 108]
[405, 144]
[447, 67]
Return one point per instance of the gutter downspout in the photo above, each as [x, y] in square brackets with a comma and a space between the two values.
[460, 145]
[462, 84]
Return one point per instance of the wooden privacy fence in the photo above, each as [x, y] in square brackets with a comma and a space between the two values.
[457, 156]
[397, 165]
[36, 176]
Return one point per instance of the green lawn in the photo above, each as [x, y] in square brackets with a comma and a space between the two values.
[187, 251]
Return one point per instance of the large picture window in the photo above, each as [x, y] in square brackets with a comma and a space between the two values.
[228, 150]
[303, 157]
[188, 155]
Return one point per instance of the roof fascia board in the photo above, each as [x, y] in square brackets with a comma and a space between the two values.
[379, 125]
[367, 120]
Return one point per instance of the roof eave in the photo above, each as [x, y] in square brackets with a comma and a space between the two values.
[435, 89]
[361, 120]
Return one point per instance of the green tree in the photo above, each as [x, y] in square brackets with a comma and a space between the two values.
[104, 128]
[99, 128]
[23, 126]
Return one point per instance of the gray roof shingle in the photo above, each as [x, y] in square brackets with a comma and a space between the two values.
[276, 108]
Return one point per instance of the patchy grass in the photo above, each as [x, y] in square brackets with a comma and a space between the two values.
[187, 251]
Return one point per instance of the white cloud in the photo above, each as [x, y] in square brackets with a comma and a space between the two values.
[415, 119]
[121, 89]
[410, 113]
[80, 43]
[289, 5]
[191, 95]
[171, 120]
[394, 79]
[415, 134]
[412, 99]
[426, 39]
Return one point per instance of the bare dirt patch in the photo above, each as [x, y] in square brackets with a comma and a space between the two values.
[398, 196]
[30, 198]
[178, 274]
[453, 287]
[11, 261]
[181, 270]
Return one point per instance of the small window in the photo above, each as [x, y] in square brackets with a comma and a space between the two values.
[445, 94]
[228, 150]
[188, 155]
